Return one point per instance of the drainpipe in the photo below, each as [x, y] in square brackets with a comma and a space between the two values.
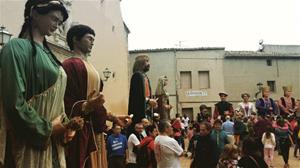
[176, 81]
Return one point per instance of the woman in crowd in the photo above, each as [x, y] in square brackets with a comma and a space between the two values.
[251, 157]
[296, 134]
[284, 139]
[239, 130]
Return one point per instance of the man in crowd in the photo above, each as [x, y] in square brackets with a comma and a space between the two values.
[133, 143]
[186, 121]
[167, 150]
[206, 153]
[227, 126]
[145, 123]
[203, 115]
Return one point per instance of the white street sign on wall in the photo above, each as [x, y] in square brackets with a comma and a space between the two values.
[194, 93]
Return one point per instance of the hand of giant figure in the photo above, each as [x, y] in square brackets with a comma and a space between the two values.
[153, 102]
[57, 126]
[124, 121]
[94, 100]
[69, 129]
[75, 124]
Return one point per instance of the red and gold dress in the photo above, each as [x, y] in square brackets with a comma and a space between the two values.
[87, 149]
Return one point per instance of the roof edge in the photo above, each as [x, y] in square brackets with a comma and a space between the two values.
[175, 49]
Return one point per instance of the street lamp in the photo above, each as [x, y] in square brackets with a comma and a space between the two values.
[259, 87]
[106, 74]
[4, 36]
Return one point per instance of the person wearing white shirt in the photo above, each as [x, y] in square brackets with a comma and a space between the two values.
[246, 108]
[166, 149]
[268, 139]
[186, 121]
[133, 141]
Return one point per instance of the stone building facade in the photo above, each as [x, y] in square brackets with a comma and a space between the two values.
[110, 47]
[197, 75]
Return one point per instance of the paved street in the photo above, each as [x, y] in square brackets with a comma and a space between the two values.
[278, 161]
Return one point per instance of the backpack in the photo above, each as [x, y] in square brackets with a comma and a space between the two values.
[143, 158]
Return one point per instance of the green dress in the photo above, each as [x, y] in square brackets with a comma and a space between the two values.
[31, 98]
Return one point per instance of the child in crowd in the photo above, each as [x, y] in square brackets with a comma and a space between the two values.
[219, 135]
[229, 157]
[117, 146]
[269, 142]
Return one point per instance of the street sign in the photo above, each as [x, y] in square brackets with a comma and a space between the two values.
[195, 93]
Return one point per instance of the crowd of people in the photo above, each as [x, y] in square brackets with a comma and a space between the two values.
[53, 112]
[257, 130]
[244, 136]
[246, 140]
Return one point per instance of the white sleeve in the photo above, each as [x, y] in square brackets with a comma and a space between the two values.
[273, 139]
[263, 138]
[134, 140]
[239, 106]
[182, 125]
[175, 147]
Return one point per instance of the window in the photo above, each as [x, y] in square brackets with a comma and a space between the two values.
[186, 80]
[269, 62]
[204, 82]
[272, 86]
[189, 112]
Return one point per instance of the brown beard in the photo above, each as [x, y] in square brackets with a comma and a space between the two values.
[147, 68]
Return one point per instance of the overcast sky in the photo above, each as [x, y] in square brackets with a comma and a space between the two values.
[234, 24]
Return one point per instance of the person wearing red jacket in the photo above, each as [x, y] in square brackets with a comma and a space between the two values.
[148, 141]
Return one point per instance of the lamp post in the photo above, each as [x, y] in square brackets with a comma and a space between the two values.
[106, 74]
[4, 36]
[259, 88]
